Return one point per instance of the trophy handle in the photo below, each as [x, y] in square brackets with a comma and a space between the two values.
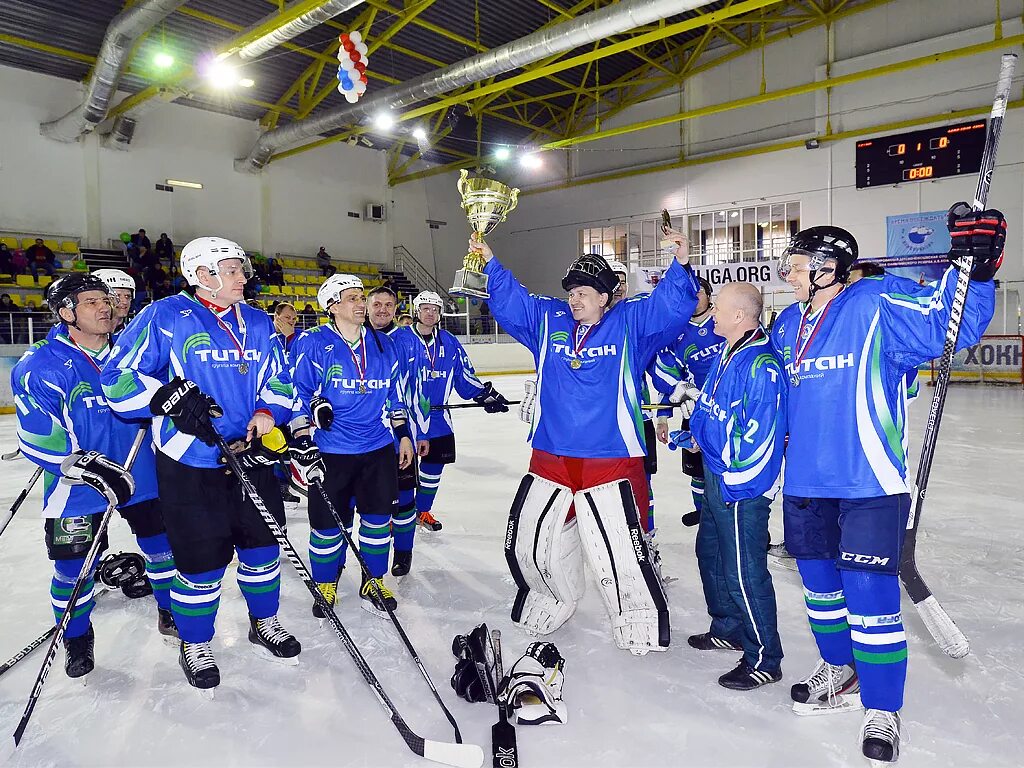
[514, 198]
[461, 184]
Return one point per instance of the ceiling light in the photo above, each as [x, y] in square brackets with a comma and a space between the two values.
[419, 133]
[247, 82]
[221, 75]
[384, 121]
[735, 214]
[502, 153]
[163, 60]
[186, 184]
[531, 161]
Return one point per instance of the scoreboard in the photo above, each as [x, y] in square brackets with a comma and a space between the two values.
[933, 153]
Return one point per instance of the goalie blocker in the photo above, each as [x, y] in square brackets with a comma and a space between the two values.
[550, 531]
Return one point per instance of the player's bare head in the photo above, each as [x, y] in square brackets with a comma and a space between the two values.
[703, 297]
[350, 307]
[737, 310]
[285, 317]
[381, 304]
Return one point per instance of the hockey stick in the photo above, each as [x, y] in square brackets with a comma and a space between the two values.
[20, 500]
[469, 405]
[459, 755]
[83, 576]
[390, 611]
[10, 456]
[504, 749]
[946, 633]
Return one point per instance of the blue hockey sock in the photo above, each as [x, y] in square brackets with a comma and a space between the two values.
[697, 491]
[159, 566]
[259, 578]
[879, 642]
[826, 609]
[430, 479]
[65, 574]
[375, 542]
[325, 554]
[195, 598]
[403, 522]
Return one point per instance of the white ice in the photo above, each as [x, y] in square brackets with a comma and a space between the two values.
[660, 710]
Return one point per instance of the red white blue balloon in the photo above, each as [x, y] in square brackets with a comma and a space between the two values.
[352, 63]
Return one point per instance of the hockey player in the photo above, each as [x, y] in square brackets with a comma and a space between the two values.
[122, 296]
[739, 422]
[285, 319]
[203, 362]
[846, 494]
[66, 427]
[348, 387]
[588, 445]
[447, 367]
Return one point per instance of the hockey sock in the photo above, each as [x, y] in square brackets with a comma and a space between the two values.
[195, 598]
[159, 566]
[826, 609]
[375, 542]
[65, 574]
[650, 503]
[259, 578]
[325, 554]
[697, 491]
[403, 522]
[879, 642]
[430, 478]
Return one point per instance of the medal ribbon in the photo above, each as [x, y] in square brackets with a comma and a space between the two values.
[431, 348]
[231, 334]
[360, 366]
[579, 341]
[801, 351]
[86, 354]
[728, 355]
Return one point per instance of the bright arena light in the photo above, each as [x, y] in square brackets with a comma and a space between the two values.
[531, 162]
[163, 60]
[221, 75]
[419, 134]
[247, 82]
[385, 121]
[502, 153]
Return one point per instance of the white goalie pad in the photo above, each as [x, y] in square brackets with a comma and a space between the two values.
[617, 551]
[543, 556]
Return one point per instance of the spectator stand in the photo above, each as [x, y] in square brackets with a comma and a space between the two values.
[28, 319]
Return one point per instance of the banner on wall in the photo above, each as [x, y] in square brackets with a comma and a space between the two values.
[916, 234]
[763, 274]
[923, 269]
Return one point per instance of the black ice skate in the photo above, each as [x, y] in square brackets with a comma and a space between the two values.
[273, 641]
[376, 596]
[80, 660]
[200, 668]
[330, 592]
[165, 623]
[402, 563]
[880, 734]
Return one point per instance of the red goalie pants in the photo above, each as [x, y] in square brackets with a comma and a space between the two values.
[579, 474]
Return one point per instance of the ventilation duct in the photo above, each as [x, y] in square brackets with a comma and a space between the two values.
[305, 22]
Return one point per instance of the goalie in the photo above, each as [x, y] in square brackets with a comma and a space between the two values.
[586, 484]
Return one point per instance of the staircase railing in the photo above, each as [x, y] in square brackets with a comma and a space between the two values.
[419, 275]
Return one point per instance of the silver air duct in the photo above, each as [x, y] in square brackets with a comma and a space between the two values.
[125, 29]
[585, 29]
[305, 22]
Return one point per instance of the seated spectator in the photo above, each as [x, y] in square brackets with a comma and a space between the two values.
[404, 321]
[163, 289]
[164, 250]
[8, 322]
[143, 242]
[6, 267]
[275, 272]
[323, 262]
[19, 262]
[40, 257]
[308, 310]
[156, 276]
[259, 268]
[177, 279]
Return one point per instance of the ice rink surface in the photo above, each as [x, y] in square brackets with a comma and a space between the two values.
[661, 710]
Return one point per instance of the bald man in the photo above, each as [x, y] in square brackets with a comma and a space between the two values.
[739, 424]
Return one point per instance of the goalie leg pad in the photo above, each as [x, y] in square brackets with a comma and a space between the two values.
[619, 555]
[543, 556]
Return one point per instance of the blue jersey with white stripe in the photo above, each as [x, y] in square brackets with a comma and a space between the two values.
[689, 357]
[361, 382]
[412, 367]
[588, 391]
[233, 356]
[739, 422]
[847, 407]
[61, 409]
[445, 367]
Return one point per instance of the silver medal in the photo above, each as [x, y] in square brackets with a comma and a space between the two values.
[243, 368]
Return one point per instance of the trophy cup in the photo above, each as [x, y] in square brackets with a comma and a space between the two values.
[486, 203]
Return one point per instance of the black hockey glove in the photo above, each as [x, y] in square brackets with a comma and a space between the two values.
[94, 469]
[474, 671]
[491, 399]
[254, 455]
[980, 234]
[125, 571]
[188, 407]
[323, 412]
[307, 459]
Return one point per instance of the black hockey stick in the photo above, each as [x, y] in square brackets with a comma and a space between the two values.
[390, 611]
[504, 749]
[83, 577]
[447, 407]
[460, 755]
[20, 500]
[946, 633]
[10, 456]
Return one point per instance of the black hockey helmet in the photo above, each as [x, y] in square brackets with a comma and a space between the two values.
[705, 286]
[63, 292]
[822, 244]
[591, 269]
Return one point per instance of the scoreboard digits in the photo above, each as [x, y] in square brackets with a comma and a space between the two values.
[933, 153]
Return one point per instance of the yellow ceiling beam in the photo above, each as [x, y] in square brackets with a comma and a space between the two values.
[54, 50]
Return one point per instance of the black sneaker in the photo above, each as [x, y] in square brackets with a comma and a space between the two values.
[402, 563]
[200, 668]
[165, 622]
[708, 642]
[274, 641]
[80, 660]
[746, 678]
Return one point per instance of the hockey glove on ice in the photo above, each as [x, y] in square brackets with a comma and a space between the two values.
[125, 571]
[533, 688]
[491, 399]
[323, 412]
[307, 460]
[188, 407]
[94, 469]
[474, 671]
[981, 234]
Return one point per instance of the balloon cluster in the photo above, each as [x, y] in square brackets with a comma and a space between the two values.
[352, 61]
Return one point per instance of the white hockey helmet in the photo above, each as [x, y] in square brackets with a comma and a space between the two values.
[427, 297]
[618, 268]
[209, 252]
[332, 288]
[115, 278]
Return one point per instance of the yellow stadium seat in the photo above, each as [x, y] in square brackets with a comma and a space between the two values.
[53, 245]
[275, 290]
[25, 281]
[10, 242]
[69, 246]
[44, 280]
[34, 301]
[289, 278]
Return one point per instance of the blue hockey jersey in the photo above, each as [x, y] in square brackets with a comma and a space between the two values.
[233, 357]
[689, 357]
[739, 422]
[61, 409]
[413, 366]
[361, 383]
[588, 398]
[846, 371]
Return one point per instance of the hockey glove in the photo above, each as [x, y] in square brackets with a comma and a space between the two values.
[491, 399]
[686, 396]
[307, 460]
[94, 469]
[980, 234]
[526, 406]
[125, 571]
[533, 688]
[474, 671]
[323, 412]
[188, 407]
[254, 455]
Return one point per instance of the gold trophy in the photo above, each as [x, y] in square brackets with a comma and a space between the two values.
[486, 203]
